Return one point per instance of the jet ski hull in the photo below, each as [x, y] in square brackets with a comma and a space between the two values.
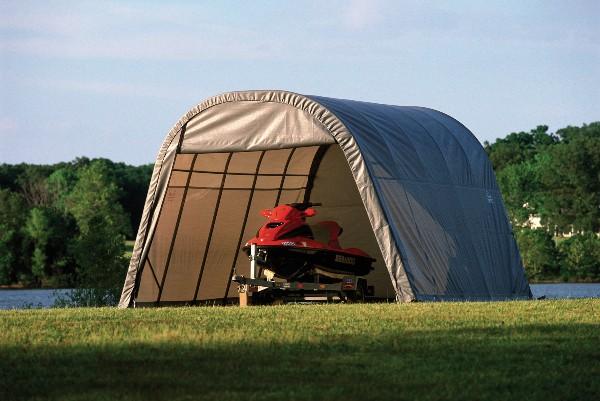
[291, 249]
[291, 263]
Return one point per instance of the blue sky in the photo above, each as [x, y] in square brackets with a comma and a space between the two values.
[109, 79]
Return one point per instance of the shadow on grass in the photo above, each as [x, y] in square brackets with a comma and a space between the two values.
[557, 362]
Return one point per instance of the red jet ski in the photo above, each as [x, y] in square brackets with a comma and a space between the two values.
[289, 248]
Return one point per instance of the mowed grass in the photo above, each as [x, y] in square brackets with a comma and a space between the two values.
[535, 350]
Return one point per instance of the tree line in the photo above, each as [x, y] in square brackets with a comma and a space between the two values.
[65, 225]
[550, 183]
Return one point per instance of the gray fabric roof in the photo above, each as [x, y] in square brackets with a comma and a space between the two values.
[438, 191]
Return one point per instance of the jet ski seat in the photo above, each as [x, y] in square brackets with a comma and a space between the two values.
[327, 232]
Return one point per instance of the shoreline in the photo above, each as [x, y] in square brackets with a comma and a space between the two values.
[22, 287]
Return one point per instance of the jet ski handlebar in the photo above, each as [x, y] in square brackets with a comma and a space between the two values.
[304, 205]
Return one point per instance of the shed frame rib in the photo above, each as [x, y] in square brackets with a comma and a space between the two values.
[314, 167]
[284, 174]
[249, 174]
[153, 272]
[238, 189]
[241, 237]
[212, 228]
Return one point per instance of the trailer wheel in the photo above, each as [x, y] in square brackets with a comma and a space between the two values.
[357, 295]
[361, 290]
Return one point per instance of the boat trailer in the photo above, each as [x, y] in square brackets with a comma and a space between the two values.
[260, 291]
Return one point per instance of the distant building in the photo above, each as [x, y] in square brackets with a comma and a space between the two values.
[535, 222]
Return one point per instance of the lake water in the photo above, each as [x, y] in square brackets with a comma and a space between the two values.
[566, 290]
[18, 299]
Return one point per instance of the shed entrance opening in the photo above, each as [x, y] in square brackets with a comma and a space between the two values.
[212, 206]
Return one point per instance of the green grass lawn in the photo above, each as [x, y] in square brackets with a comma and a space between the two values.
[518, 351]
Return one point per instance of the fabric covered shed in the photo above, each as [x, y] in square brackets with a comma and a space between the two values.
[410, 185]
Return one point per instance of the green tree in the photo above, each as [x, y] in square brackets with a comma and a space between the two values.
[13, 213]
[60, 184]
[32, 182]
[538, 253]
[37, 228]
[45, 235]
[51, 232]
[580, 257]
[133, 185]
[134, 181]
[9, 175]
[519, 147]
[520, 186]
[569, 181]
[99, 246]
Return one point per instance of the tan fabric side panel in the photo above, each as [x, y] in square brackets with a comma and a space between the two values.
[238, 181]
[295, 182]
[291, 196]
[252, 125]
[159, 248]
[302, 160]
[336, 189]
[192, 235]
[206, 180]
[260, 200]
[244, 162]
[211, 162]
[148, 287]
[268, 182]
[223, 244]
[274, 161]
[183, 162]
[195, 221]
[178, 179]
